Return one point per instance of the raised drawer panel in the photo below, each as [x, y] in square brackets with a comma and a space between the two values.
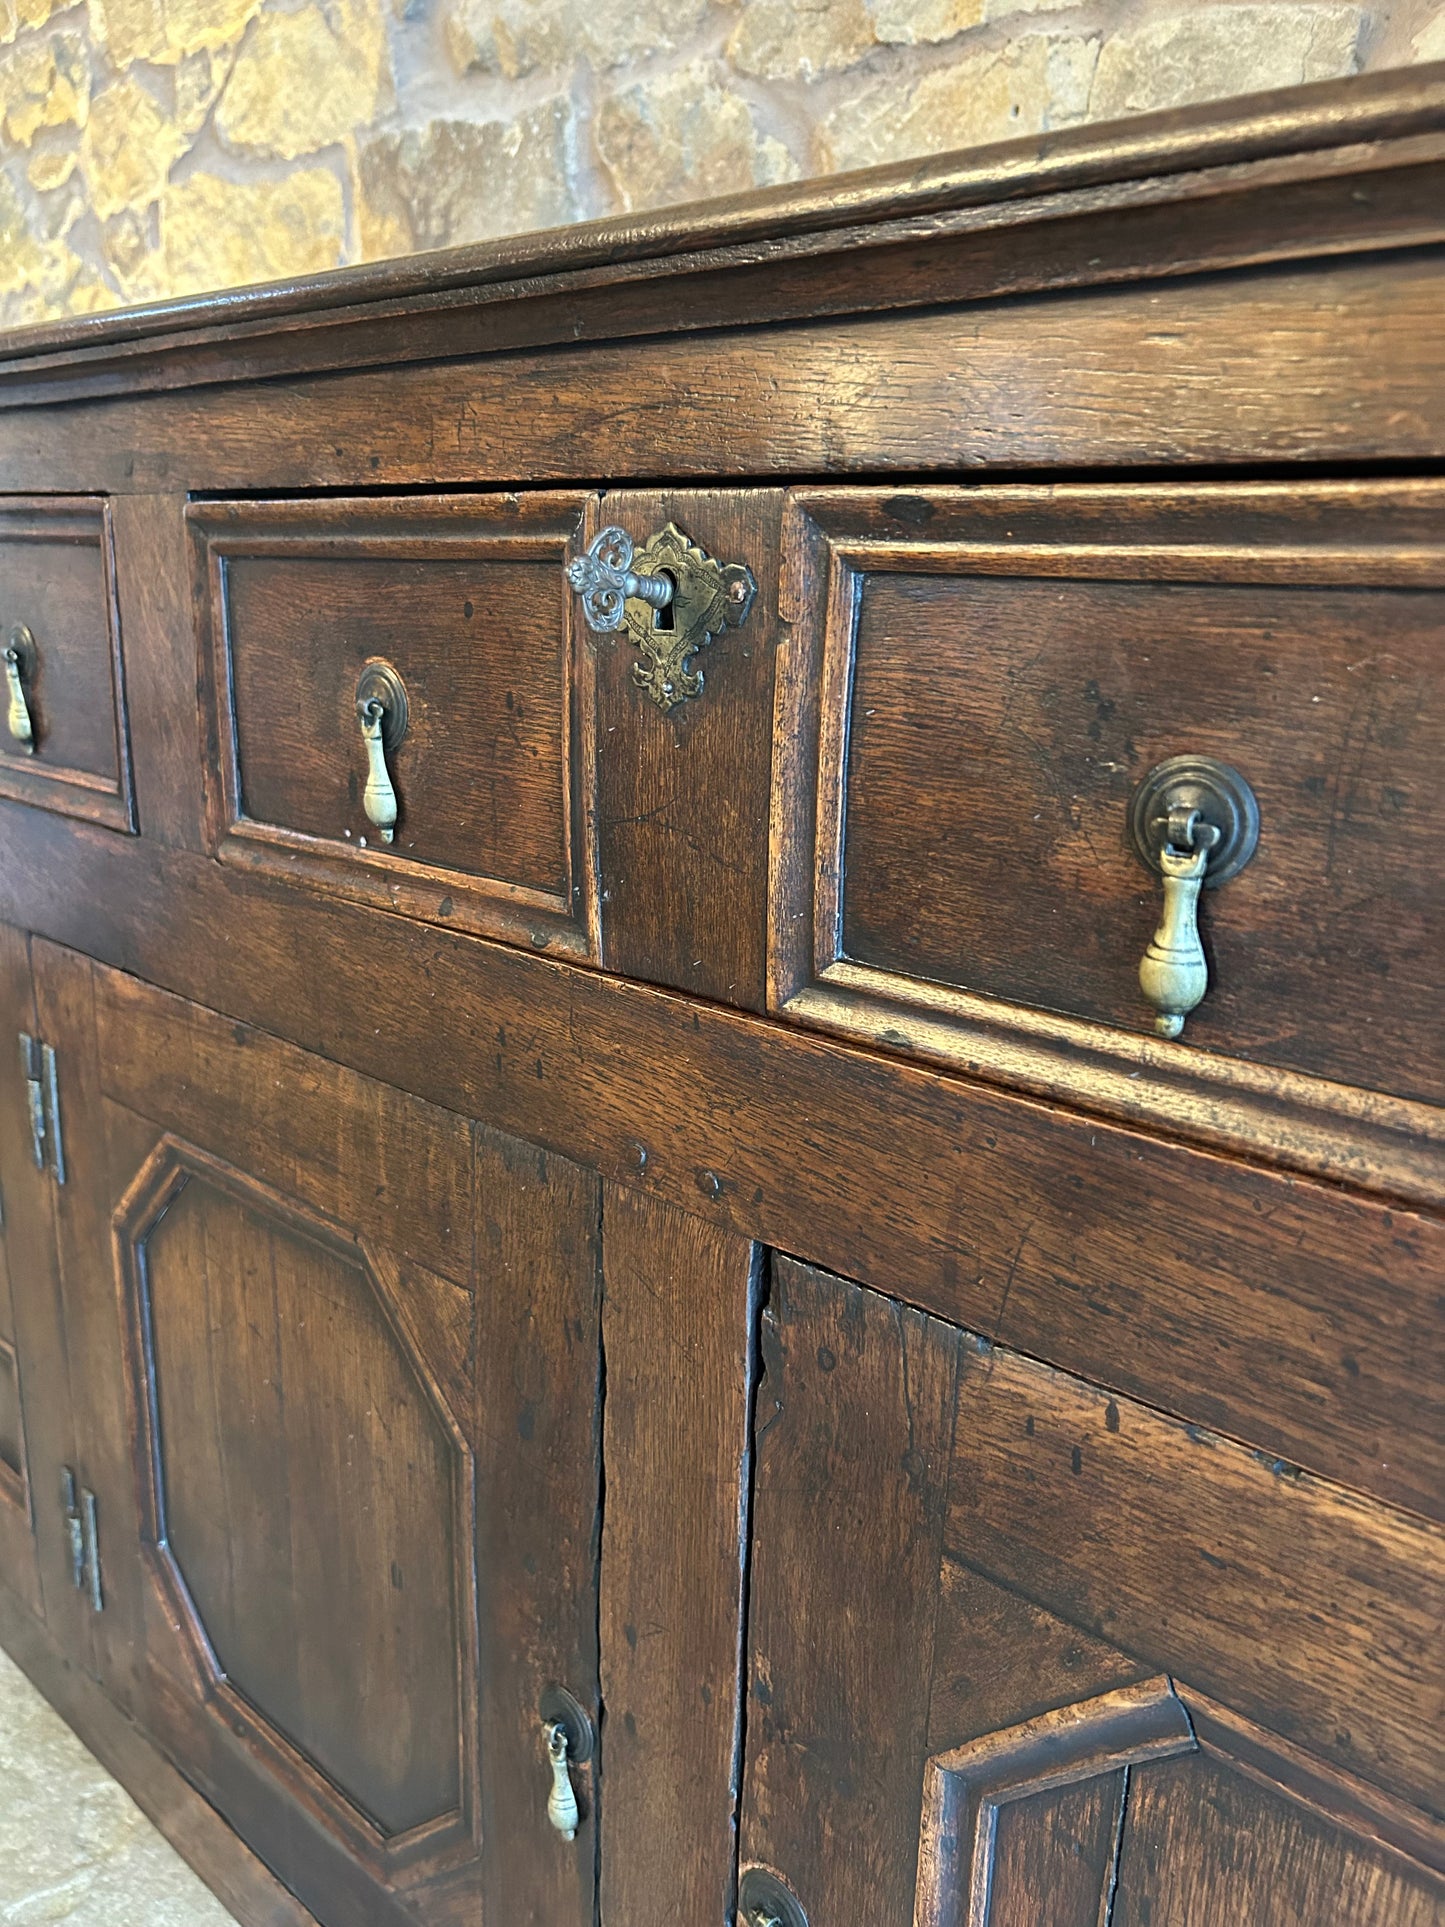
[465, 600]
[978, 683]
[56, 590]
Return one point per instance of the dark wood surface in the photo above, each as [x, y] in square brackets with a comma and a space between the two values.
[466, 600]
[1000, 669]
[701, 1220]
[1107, 1541]
[56, 581]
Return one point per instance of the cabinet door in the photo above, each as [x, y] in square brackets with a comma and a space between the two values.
[347, 1461]
[1021, 1651]
[35, 1439]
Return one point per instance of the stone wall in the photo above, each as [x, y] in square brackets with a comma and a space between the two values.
[159, 147]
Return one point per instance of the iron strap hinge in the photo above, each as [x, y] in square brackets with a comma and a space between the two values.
[41, 1072]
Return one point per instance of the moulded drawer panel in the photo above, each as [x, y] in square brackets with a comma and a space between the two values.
[466, 600]
[55, 585]
[979, 681]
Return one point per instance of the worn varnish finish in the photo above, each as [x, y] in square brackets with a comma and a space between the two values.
[701, 1221]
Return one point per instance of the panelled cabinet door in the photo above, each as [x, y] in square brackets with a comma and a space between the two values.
[1024, 1652]
[37, 1569]
[351, 1496]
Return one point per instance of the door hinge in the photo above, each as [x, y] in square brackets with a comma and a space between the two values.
[82, 1526]
[41, 1071]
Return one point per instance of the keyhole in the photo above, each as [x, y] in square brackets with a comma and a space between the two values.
[663, 618]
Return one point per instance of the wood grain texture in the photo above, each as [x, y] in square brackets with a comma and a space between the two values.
[1201, 1843]
[152, 586]
[33, 1558]
[1170, 1542]
[986, 675]
[466, 599]
[854, 1422]
[66, 1015]
[1055, 1852]
[539, 1404]
[56, 580]
[1322, 363]
[793, 249]
[306, 1436]
[678, 1310]
[1293, 1314]
[682, 796]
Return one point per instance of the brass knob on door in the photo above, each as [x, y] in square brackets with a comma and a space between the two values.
[19, 661]
[381, 709]
[1195, 822]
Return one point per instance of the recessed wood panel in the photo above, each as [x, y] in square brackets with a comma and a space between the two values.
[56, 581]
[467, 600]
[967, 1573]
[12, 1437]
[979, 684]
[308, 1498]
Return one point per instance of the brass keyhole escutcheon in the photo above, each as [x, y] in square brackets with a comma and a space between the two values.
[670, 597]
[1195, 822]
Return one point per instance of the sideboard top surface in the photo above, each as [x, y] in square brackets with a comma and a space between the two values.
[1268, 179]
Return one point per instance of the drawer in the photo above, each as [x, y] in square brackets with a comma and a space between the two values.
[461, 602]
[64, 743]
[977, 684]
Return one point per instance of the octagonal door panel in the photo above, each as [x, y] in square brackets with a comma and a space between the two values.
[1023, 1652]
[356, 1359]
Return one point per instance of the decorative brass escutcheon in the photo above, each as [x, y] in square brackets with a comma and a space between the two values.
[381, 709]
[670, 596]
[19, 659]
[1195, 822]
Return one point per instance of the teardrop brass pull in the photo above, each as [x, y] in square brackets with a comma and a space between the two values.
[569, 1736]
[561, 1800]
[19, 653]
[381, 709]
[1195, 822]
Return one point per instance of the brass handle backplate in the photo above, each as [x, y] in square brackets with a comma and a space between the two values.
[671, 598]
[19, 661]
[569, 1737]
[1195, 822]
[766, 1900]
[382, 711]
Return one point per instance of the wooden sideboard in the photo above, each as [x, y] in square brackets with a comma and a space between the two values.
[594, 1212]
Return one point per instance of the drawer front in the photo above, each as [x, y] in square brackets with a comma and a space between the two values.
[464, 601]
[978, 683]
[64, 741]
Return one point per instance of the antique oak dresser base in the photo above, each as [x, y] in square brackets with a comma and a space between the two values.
[722, 1127]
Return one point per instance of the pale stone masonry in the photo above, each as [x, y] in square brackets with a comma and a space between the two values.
[159, 147]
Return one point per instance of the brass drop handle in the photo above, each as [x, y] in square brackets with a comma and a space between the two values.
[19, 653]
[569, 1738]
[1195, 822]
[382, 711]
[562, 1808]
